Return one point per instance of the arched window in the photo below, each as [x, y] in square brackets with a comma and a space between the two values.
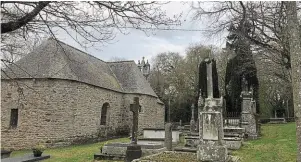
[104, 112]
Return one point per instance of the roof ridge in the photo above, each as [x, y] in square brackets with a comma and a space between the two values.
[121, 61]
[57, 40]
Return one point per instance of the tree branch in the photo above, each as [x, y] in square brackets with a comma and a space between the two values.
[14, 25]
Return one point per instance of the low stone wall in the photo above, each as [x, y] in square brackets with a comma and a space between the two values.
[160, 133]
[233, 143]
[168, 156]
[120, 149]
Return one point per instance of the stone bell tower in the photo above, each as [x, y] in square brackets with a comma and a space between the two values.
[144, 67]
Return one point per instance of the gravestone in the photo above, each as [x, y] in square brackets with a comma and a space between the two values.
[133, 150]
[192, 122]
[168, 136]
[248, 113]
[26, 158]
[211, 146]
[200, 107]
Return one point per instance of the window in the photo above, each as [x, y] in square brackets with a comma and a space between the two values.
[104, 110]
[14, 118]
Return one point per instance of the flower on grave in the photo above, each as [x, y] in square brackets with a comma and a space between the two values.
[40, 147]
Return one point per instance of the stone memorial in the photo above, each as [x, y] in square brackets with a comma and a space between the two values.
[192, 122]
[133, 150]
[168, 136]
[211, 146]
[248, 113]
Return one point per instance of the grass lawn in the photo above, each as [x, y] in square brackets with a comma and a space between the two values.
[277, 144]
[76, 153]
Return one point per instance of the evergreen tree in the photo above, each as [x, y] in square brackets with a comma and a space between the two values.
[241, 65]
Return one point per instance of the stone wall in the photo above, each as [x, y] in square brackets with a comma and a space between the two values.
[62, 112]
[152, 112]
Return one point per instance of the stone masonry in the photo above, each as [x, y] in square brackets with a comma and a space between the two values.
[60, 102]
[61, 112]
[248, 115]
[212, 146]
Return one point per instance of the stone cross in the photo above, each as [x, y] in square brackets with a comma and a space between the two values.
[168, 136]
[192, 122]
[209, 78]
[135, 108]
[244, 84]
[192, 112]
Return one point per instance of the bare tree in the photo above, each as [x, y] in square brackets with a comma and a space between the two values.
[92, 21]
[295, 52]
[268, 20]
[87, 23]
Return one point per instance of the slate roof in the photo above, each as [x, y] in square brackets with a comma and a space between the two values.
[55, 59]
[130, 77]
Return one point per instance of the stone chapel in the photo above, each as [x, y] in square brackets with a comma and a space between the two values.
[59, 95]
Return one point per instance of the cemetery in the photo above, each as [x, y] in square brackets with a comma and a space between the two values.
[213, 136]
[239, 101]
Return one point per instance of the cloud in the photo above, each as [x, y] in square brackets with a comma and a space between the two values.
[137, 44]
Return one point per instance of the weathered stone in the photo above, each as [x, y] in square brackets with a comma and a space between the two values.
[192, 122]
[168, 136]
[118, 150]
[212, 153]
[166, 156]
[248, 115]
[61, 100]
[133, 151]
[75, 110]
[135, 108]
[233, 143]
[192, 141]
[152, 133]
[211, 147]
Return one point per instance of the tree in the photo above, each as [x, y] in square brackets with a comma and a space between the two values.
[167, 79]
[176, 79]
[221, 61]
[275, 28]
[242, 65]
[295, 52]
[86, 22]
[268, 22]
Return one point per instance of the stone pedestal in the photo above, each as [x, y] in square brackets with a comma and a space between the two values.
[192, 122]
[212, 146]
[192, 126]
[168, 136]
[133, 151]
[212, 153]
[248, 117]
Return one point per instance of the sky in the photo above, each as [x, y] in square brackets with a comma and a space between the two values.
[138, 44]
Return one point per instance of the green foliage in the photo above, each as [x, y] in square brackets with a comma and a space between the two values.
[242, 64]
[40, 147]
[265, 107]
[278, 144]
